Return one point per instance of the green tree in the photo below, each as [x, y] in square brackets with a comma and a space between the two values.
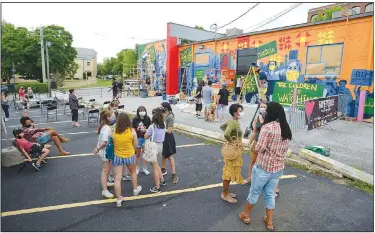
[129, 59]
[185, 41]
[14, 41]
[326, 14]
[22, 47]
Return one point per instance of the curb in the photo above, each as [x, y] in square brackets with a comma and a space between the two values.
[336, 166]
[306, 158]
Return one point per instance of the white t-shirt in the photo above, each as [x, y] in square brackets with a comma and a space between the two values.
[239, 83]
[104, 135]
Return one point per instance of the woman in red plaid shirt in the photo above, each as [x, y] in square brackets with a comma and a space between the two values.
[272, 148]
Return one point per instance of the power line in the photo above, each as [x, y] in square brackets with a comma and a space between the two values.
[273, 18]
[239, 16]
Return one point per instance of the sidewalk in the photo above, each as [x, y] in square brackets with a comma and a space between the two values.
[350, 143]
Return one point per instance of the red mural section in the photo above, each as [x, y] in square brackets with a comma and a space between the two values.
[172, 64]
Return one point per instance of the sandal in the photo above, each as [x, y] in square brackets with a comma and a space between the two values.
[65, 140]
[277, 194]
[269, 227]
[244, 218]
[233, 195]
[65, 153]
[228, 199]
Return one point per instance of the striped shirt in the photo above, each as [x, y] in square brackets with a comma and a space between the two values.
[271, 148]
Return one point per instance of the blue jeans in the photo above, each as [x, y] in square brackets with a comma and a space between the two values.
[220, 110]
[262, 180]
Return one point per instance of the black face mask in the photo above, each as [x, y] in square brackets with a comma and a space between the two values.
[19, 137]
[28, 126]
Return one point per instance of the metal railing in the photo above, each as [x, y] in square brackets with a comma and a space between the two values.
[296, 117]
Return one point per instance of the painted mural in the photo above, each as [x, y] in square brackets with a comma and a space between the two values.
[324, 54]
[152, 60]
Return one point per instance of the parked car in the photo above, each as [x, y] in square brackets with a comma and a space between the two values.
[4, 88]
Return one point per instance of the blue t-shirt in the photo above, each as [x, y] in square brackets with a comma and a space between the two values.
[208, 92]
[159, 134]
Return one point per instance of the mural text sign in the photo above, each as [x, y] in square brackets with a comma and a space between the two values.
[362, 77]
[369, 106]
[321, 111]
[199, 74]
[267, 50]
[283, 92]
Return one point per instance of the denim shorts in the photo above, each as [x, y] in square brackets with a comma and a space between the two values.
[43, 139]
[141, 142]
[118, 161]
[266, 182]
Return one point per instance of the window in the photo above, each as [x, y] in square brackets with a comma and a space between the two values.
[355, 10]
[324, 59]
[369, 7]
[88, 63]
[313, 18]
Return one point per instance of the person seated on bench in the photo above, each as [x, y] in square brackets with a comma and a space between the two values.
[42, 135]
[28, 148]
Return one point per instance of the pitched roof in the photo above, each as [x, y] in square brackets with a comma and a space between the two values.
[83, 53]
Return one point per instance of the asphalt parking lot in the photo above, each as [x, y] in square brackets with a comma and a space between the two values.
[66, 195]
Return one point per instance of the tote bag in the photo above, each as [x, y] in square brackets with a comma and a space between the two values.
[110, 149]
[149, 153]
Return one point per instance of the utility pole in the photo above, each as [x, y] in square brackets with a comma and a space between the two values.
[42, 52]
[48, 75]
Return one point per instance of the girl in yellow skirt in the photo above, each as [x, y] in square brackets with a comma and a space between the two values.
[232, 167]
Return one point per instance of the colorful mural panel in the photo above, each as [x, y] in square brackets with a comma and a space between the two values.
[313, 54]
[152, 60]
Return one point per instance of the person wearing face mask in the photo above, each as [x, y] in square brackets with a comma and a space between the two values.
[104, 132]
[42, 135]
[140, 124]
[73, 104]
[253, 138]
[232, 166]
[28, 148]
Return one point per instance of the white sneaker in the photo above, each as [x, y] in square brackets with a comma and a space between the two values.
[127, 177]
[137, 171]
[110, 184]
[118, 203]
[146, 171]
[6, 119]
[137, 190]
[107, 194]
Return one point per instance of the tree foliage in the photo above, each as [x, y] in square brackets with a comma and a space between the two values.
[119, 65]
[326, 14]
[22, 47]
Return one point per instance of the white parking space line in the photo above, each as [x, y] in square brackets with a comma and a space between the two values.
[61, 134]
[17, 118]
[45, 123]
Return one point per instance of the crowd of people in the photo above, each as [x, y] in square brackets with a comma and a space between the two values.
[127, 146]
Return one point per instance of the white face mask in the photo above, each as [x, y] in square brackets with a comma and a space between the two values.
[262, 110]
[242, 114]
[142, 114]
[112, 119]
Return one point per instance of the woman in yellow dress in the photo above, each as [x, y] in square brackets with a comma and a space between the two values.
[232, 167]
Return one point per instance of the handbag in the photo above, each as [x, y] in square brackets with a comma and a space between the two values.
[249, 128]
[231, 150]
[149, 153]
[110, 149]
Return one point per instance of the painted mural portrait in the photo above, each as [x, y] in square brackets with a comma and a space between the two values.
[293, 71]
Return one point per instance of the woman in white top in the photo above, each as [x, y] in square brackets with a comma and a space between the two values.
[105, 132]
